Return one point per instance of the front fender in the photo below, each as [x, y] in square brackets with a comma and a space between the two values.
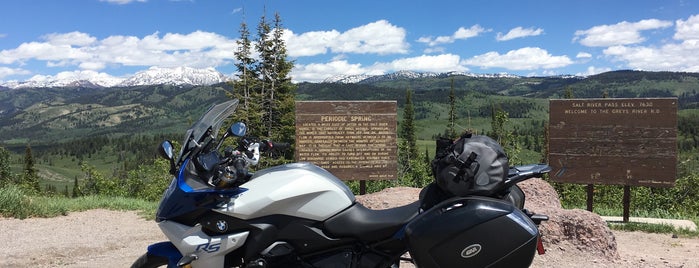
[167, 250]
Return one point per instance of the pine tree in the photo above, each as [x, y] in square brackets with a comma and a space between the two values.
[285, 112]
[568, 93]
[30, 178]
[451, 132]
[244, 88]
[407, 130]
[408, 157]
[276, 89]
[6, 176]
[76, 188]
[264, 86]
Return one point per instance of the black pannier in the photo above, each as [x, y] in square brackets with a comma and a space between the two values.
[472, 231]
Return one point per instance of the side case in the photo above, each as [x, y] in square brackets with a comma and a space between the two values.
[472, 232]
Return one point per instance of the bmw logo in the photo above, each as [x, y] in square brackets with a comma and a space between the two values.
[222, 225]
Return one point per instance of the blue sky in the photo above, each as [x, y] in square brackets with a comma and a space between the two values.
[44, 39]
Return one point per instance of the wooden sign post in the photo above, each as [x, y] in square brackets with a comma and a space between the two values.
[630, 142]
[354, 140]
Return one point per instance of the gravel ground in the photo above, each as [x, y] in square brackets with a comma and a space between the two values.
[103, 238]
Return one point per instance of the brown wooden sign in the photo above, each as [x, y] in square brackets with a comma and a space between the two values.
[614, 141]
[354, 140]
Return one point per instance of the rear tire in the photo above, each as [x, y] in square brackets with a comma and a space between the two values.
[150, 261]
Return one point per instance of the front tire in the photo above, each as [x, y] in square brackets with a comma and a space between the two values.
[150, 261]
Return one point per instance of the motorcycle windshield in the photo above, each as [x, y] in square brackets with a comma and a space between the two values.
[213, 118]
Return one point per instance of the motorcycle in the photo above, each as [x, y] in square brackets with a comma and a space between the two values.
[216, 213]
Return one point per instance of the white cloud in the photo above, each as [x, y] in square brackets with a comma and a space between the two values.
[309, 43]
[316, 72]
[528, 58]
[460, 34]
[592, 70]
[380, 37]
[670, 57]
[583, 55]
[623, 33]
[70, 39]
[687, 29]
[122, 2]
[678, 56]
[425, 63]
[6, 71]
[73, 75]
[197, 49]
[463, 33]
[519, 32]
[42, 51]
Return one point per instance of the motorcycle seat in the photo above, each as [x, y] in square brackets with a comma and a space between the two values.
[370, 225]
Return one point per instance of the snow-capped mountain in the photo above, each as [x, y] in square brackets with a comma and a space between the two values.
[364, 78]
[346, 79]
[175, 76]
[68, 79]
[153, 76]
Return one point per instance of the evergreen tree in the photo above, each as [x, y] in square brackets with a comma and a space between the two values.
[568, 93]
[283, 115]
[407, 129]
[408, 156]
[6, 176]
[264, 86]
[76, 188]
[451, 132]
[30, 178]
[503, 136]
[275, 87]
[244, 88]
[263, 67]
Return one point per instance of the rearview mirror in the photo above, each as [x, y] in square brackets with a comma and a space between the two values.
[238, 129]
[165, 150]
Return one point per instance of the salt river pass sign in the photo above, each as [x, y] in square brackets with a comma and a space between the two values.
[614, 141]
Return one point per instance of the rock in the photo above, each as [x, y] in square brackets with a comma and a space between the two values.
[584, 229]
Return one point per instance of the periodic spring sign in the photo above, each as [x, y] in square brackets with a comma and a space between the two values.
[354, 140]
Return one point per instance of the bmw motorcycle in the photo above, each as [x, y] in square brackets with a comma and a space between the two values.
[216, 213]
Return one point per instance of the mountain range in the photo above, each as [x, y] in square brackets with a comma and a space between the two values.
[178, 76]
[181, 76]
[159, 100]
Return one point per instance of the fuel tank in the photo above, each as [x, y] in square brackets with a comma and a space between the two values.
[301, 190]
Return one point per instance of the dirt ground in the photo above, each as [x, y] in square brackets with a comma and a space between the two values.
[103, 238]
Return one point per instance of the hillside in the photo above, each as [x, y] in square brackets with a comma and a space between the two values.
[50, 115]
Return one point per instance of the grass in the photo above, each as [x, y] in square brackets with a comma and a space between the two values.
[649, 227]
[653, 228]
[15, 202]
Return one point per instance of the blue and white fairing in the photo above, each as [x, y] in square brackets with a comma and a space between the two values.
[302, 190]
